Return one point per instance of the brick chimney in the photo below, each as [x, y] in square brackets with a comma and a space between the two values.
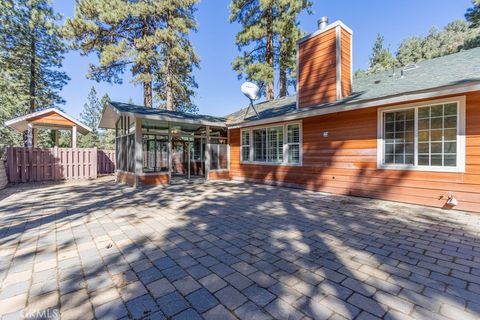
[324, 65]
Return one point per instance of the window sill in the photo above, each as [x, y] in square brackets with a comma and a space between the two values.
[272, 163]
[422, 168]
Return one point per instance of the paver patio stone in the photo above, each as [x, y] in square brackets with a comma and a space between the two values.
[172, 303]
[114, 309]
[202, 300]
[142, 306]
[160, 288]
[219, 313]
[250, 311]
[189, 314]
[230, 297]
[213, 282]
[223, 250]
[186, 285]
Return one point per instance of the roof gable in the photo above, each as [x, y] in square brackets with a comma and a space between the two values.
[50, 117]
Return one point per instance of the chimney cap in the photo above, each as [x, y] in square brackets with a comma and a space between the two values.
[322, 23]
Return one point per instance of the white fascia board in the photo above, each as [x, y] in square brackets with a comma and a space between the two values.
[402, 98]
[329, 27]
[12, 122]
[166, 118]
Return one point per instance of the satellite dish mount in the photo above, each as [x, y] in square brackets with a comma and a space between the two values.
[251, 91]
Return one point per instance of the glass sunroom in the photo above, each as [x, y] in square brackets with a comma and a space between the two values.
[156, 146]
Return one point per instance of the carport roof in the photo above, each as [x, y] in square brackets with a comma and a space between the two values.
[43, 118]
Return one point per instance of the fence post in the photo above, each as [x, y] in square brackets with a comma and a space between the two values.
[95, 163]
[10, 165]
[55, 173]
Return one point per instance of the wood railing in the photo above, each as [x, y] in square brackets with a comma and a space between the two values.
[53, 164]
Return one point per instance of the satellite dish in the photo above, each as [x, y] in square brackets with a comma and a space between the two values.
[250, 90]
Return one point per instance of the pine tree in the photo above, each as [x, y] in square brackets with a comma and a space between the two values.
[267, 41]
[107, 136]
[289, 32]
[92, 111]
[175, 80]
[410, 51]
[31, 54]
[455, 36]
[149, 37]
[473, 14]
[256, 39]
[381, 58]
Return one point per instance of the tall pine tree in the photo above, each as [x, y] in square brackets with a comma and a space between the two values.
[473, 14]
[175, 81]
[142, 35]
[289, 32]
[91, 114]
[381, 58]
[92, 111]
[267, 40]
[256, 40]
[31, 54]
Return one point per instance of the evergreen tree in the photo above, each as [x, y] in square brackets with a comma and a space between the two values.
[107, 136]
[410, 51]
[256, 39]
[175, 81]
[289, 32]
[455, 36]
[92, 111]
[31, 54]
[267, 41]
[149, 37]
[473, 14]
[381, 58]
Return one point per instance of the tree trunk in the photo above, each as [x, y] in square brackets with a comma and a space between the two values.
[168, 83]
[147, 94]
[32, 90]
[269, 53]
[283, 78]
[147, 84]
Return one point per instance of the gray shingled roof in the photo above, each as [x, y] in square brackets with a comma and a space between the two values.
[457, 68]
[174, 115]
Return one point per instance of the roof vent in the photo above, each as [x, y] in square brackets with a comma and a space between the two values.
[409, 67]
[322, 23]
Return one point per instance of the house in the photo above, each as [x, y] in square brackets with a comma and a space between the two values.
[409, 135]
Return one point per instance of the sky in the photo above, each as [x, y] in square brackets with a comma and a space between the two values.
[219, 88]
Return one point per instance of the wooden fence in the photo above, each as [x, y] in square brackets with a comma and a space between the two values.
[53, 164]
[105, 161]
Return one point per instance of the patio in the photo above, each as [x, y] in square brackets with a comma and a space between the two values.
[226, 250]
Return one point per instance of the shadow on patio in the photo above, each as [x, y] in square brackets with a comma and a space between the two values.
[275, 251]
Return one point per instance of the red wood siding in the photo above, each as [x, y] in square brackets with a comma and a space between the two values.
[218, 175]
[346, 63]
[126, 177]
[162, 178]
[129, 178]
[317, 69]
[52, 118]
[345, 162]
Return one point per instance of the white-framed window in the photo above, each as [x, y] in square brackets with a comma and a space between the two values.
[245, 143]
[427, 137]
[275, 144]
